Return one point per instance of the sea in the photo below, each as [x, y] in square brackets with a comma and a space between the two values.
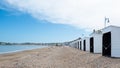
[16, 48]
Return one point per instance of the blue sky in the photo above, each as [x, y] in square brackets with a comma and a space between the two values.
[22, 27]
[54, 20]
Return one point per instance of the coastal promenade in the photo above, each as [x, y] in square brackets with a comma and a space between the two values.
[57, 57]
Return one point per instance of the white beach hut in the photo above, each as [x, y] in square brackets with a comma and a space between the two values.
[111, 41]
[85, 44]
[80, 44]
[96, 42]
[75, 43]
[71, 44]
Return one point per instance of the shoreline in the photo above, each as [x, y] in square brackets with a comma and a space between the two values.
[57, 57]
[20, 50]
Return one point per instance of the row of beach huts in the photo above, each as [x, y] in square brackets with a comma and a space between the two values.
[105, 41]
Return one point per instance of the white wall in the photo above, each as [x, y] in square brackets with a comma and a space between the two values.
[115, 36]
[87, 43]
[97, 42]
[83, 44]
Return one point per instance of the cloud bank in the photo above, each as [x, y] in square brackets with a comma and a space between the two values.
[87, 14]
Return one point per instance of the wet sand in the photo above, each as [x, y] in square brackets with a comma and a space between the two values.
[57, 57]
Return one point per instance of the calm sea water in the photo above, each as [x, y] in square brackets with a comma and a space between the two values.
[16, 48]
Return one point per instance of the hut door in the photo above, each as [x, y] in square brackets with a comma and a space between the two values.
[91, 45]
[80, 46]
[84, 45]
[106, 47]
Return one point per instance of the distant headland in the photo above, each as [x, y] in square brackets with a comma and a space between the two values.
[29, 43]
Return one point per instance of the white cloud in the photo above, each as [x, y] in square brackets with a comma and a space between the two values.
[88, 14]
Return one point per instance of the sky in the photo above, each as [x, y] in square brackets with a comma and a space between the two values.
[54, 20]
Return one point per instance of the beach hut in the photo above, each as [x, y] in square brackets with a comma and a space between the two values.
[75, 43]
[71, 44]
[85, 44]
[95, 41]
[80, 44]
[111, 41]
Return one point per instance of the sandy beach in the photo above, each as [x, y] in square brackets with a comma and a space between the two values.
[57, 57]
